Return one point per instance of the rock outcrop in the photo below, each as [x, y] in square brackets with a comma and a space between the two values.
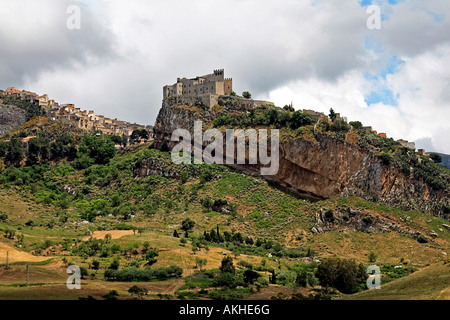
[354, 220]
[11, 117]
[325, 167]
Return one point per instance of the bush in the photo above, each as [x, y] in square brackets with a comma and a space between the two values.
[187, 224]
[3, 216]
[436, 157]
[133, 274]
[386, 158]
[329, 216]
[422, 239]
[300, 119]
[357, 125]
[225, 280]
[286, 277]
[340, 125]
[367, 219]
[227, 265]
[344, 275]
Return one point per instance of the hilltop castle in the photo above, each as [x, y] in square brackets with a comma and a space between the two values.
[204, 89]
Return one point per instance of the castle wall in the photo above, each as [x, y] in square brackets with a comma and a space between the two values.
[207, 88]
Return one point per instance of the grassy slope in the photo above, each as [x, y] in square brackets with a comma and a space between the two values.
[263, 212]
[431, 283]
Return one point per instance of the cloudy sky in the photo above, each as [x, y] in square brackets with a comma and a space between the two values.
[318, 54]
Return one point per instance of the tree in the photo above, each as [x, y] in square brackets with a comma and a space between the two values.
[112, 295]
[372, 257]
[436, 157]
[273, 279]
[332, 115]
[124, 141]
[3, 149]
[108, 237]
[175, 234]
[100, 149]
[288, 108]
[187, 225]
[116, 139]
[150, 256]
[83, 272]
[115, 264]
[342, 274]
[249, 241]
[200, 262]
[15, 151]
[340, 126]
[250, 276]
[144, 134]
[227, 265]
[386, 158]
[135, 136]
[246, 95]
[95, 264]
[300, 119]
[357, 125]
[138, 291]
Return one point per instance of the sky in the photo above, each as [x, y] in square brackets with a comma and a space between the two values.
[317, 54]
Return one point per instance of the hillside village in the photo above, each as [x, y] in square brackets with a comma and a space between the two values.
[68, 113]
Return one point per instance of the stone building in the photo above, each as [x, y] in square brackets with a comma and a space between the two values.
[203, 89]
[407, 144]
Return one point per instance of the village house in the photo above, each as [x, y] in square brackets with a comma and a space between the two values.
[68, 113]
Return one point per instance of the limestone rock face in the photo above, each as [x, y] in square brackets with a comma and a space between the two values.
[10, 118]
[325, 167]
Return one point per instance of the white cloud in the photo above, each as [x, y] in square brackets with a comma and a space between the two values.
[423, 104]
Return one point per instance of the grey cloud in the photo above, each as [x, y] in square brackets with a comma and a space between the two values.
[35, 38]
[417, 26]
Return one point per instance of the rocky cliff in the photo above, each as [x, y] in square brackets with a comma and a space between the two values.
[11, 117]
[326, 167]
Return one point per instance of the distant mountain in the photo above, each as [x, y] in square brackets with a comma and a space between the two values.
[445, 159]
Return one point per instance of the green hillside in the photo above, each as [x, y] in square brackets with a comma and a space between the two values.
[51, 209]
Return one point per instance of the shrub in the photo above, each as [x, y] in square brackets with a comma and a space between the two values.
[300, 119]
[357, 125]
[344, 275]
[187, 224]
[286, 277]
[386, 158]
[329, 216]
[3, 216]
[436, 157]
[367, 219]
[227, 265]
[340, 125]
[422, 239]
